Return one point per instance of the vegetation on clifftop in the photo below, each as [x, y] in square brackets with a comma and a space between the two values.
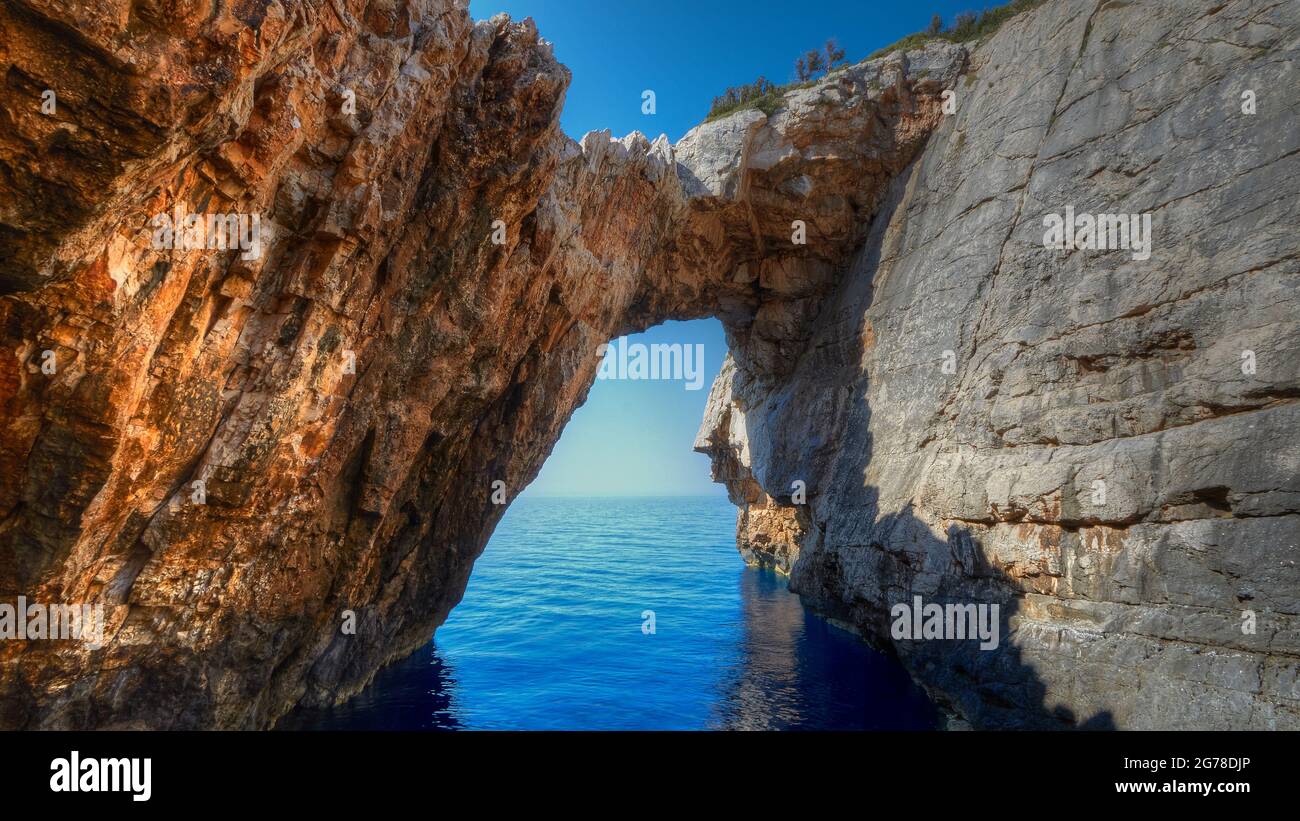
[767, 97]
[965, 26]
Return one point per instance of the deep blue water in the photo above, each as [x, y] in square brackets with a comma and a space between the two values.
[550, 636]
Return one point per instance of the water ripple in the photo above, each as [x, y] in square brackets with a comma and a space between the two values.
[549, 636]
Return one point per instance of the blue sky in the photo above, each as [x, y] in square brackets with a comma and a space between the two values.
[633, 438]
[688, 51]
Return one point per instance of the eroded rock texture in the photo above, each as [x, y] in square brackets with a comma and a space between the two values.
[1119, 610]
[349, 397]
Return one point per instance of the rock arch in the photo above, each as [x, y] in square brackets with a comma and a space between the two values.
[348, 397]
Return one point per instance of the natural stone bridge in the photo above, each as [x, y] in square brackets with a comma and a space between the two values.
[348, 397]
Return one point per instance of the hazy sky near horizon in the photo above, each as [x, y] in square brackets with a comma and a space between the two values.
[688, 51]
[634, 438]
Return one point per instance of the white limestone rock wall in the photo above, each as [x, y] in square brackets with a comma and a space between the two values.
[1071, 369]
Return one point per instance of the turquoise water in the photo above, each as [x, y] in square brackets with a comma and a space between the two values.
[551, 636]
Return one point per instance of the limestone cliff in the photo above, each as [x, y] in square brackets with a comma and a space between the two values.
[1111, 452]
[232, 451]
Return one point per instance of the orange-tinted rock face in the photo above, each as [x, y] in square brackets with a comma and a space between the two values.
[238, 451]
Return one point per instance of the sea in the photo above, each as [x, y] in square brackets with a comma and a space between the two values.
[630, 614]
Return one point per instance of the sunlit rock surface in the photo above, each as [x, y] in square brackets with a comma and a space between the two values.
[236, 453]
[438, 267]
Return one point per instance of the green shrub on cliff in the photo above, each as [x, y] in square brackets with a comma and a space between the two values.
[767, 97]
[759, 94]
[965, 26]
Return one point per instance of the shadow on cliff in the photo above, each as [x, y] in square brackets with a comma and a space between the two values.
[897, 556]
[416, 693]
[997, 688]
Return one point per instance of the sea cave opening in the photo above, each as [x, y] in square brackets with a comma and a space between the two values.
[612, 596]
